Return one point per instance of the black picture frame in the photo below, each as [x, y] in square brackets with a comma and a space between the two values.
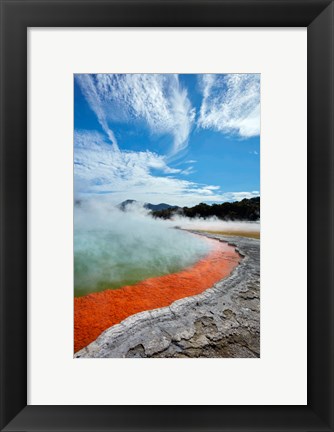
[16, 17]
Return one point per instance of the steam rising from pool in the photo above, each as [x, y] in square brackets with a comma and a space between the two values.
[113, 248]
[214, 224]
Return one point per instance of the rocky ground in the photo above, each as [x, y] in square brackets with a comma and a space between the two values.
[223, 321]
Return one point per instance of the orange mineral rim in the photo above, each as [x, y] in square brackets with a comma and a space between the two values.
[96, 312]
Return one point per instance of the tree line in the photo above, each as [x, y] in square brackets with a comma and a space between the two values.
[246, 209]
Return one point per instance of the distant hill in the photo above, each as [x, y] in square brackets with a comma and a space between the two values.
[158, 207]
[123, 205]
[247, 209]
[149, 206]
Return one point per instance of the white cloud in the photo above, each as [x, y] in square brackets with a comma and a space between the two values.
[100, 169]
[238, 196]
[231, 104]
[157, 100]
[93, 98]
[188, 171]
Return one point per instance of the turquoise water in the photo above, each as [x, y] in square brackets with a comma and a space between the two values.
[124, 254]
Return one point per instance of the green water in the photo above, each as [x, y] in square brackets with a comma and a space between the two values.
[127, 275]
[108, 259]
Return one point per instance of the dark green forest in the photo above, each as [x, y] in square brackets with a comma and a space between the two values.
[247, 209]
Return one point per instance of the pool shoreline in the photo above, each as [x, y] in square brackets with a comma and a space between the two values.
[222, 321]
[96, 312]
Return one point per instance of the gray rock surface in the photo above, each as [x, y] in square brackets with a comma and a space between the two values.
[223, 321]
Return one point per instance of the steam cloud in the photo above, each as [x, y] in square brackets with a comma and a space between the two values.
[215, 224]
[113, 248]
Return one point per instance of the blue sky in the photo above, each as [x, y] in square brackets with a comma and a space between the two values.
[180, 139]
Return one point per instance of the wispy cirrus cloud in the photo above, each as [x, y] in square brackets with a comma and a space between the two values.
[100, 169]
[157, 100]
[93, 98]
[231, 104]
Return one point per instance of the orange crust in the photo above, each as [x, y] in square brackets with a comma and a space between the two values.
[96, 312]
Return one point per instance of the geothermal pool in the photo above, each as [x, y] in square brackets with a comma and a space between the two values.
[208, 262]
[112, 258]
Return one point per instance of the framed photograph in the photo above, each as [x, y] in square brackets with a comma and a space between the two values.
[142, 144]
[133, 252]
